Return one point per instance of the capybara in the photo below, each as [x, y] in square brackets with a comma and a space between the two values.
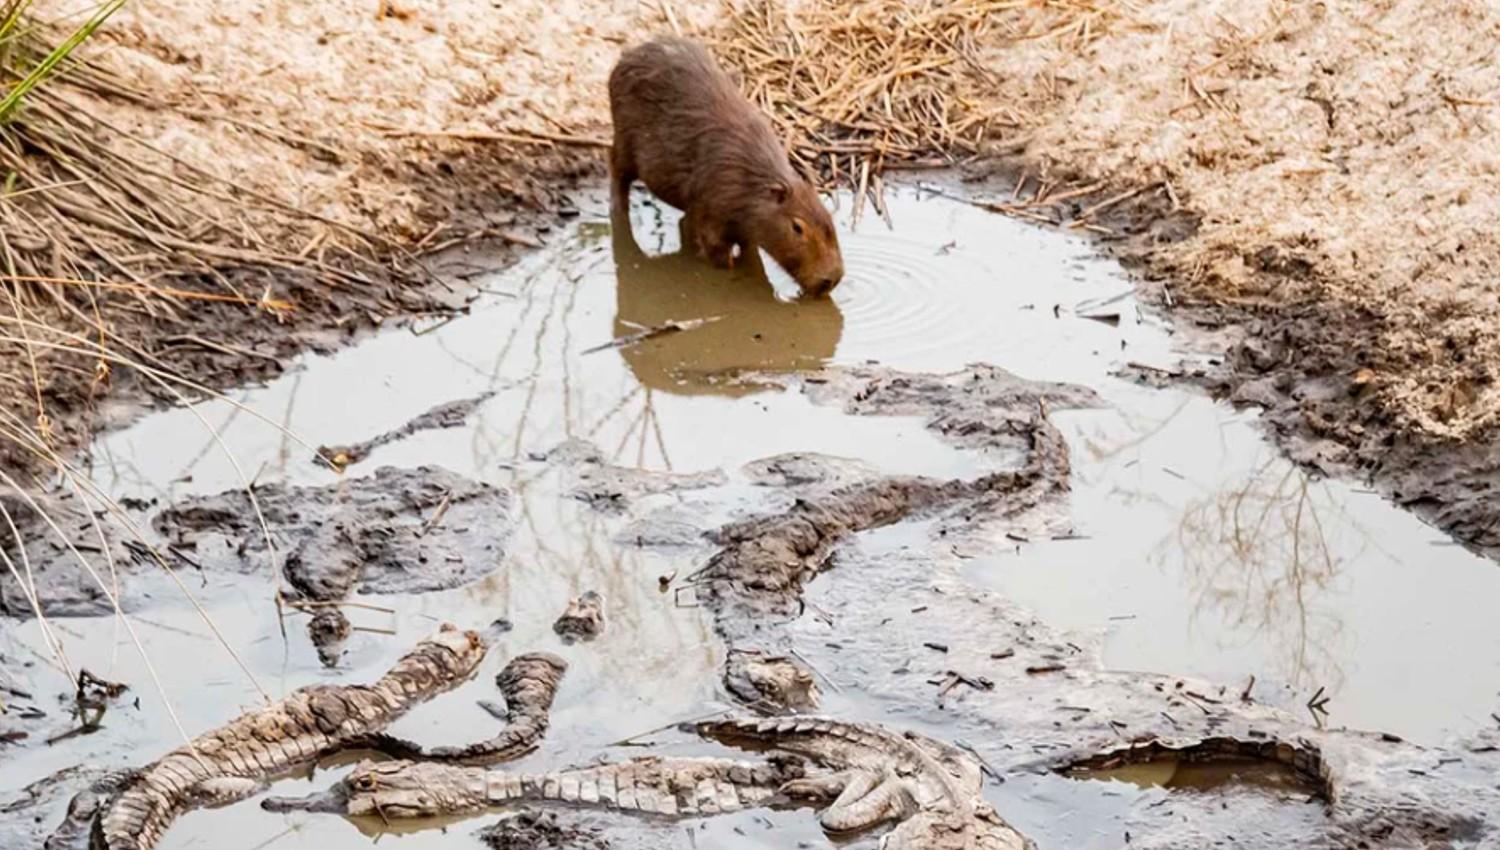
[684, 129]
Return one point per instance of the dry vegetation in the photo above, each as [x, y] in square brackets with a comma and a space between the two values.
[1340, 154]
[212, 182]
[290, 159]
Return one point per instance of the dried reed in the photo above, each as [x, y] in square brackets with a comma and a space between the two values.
[862, 87]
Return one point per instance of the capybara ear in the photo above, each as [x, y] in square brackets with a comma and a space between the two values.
[780, 191]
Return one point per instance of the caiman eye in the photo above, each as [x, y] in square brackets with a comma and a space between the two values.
[797, 227]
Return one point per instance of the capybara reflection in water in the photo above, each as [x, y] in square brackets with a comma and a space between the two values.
[751, 330]
[684, 129]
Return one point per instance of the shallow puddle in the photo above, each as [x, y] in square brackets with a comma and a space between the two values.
[1198, 550]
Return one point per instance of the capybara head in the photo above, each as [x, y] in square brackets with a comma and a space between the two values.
[794, 227]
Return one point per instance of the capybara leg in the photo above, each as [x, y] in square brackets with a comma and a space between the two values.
[715, 248]
[622, 174]
[711, 239]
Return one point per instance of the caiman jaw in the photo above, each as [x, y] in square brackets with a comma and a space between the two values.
[335, 800]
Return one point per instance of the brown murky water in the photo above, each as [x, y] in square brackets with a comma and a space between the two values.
[1198, 550]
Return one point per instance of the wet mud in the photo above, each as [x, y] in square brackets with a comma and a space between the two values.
[1315, 390]
[763, 564]
[396, 531]
[49, 555]
[780, 525]
[527, 830]
[980, 407]
[611, 487]
[583, 619]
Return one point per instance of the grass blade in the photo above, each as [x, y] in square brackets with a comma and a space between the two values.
[14, 97]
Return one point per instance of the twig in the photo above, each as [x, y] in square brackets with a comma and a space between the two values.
[662, 329]
[437, 515]
[524, 137]
[666, 8]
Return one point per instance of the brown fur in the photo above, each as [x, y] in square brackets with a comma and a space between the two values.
[684, 129]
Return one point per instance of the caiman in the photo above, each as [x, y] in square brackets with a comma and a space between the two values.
[529, 684]
[931, 789]
[670, 787]
[870, 776]
[239, 759]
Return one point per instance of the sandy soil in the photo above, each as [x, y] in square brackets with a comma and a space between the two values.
[1340, 153]
[1340, 158]
[1337, 158]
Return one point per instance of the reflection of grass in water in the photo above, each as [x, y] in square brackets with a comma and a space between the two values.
[550, 302]
[1258, 556]
[101, 510]
[562, 544]
[557, 537]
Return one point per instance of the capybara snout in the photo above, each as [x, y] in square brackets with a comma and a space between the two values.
[799, 235]
[684, 129]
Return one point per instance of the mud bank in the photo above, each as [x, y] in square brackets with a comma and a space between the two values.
[1318, 400]
[1248, 166]
[1029, 698]
[826, 537]
[763, 563]
[395, 531]
[1052, 706]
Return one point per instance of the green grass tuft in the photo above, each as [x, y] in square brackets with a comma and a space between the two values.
[10, 16]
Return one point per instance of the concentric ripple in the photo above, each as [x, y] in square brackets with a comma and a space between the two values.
[905, 301]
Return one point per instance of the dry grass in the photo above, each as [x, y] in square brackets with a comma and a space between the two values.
[860, 88]
[1341, 155]
[211, 176]
[1343, 158]
[101, 231]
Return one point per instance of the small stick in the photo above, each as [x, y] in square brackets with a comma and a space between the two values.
[666, 8]
[524, 137]
[624, 742]
[372, 629]
[437, 515]
[1076, 193]
[983, 762]
[859, 194]
[660, 330]
[1109, 202]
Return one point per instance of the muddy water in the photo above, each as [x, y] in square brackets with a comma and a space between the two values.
[1197, 550]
